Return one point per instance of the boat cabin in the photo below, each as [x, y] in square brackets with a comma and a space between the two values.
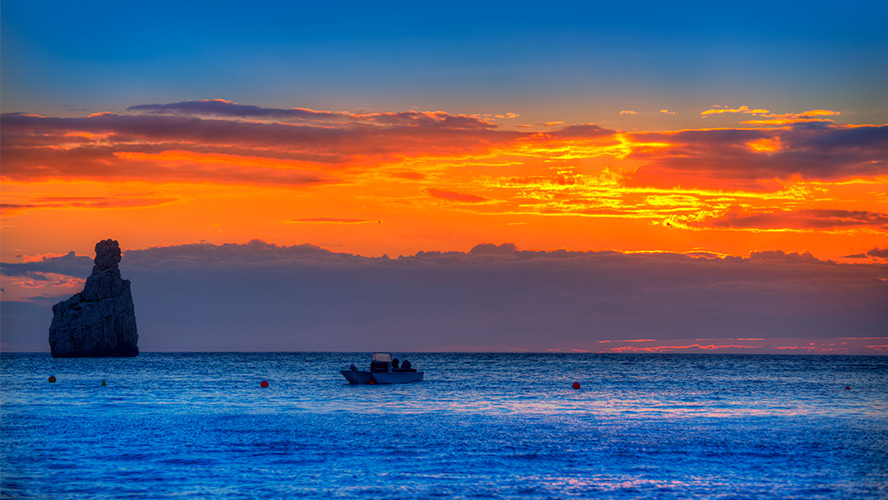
[381, 362]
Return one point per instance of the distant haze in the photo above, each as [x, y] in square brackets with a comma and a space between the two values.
[262, 297]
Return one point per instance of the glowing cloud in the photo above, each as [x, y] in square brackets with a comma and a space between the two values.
[741, 109]
[813, 150]
[790, 118]
[799, 219]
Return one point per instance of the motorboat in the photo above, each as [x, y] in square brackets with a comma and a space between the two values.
[383, 370]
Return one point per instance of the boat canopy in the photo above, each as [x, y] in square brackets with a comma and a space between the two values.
[384, 357]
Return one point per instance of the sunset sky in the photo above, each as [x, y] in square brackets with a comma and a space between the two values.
[744, 146]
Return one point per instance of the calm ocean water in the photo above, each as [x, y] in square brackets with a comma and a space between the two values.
[480, 425]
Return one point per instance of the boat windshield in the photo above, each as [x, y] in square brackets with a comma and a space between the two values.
[384, 357]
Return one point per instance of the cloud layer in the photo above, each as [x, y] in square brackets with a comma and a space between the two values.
[225, 142]
[258, 296]
[819, 150]
[795, 219]
[185, 148]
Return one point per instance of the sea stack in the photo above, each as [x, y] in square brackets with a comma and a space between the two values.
[100, 321]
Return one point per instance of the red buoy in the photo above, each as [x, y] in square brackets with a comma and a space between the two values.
[52, 379]
[576, 385]
[847, 387]
[264, 383]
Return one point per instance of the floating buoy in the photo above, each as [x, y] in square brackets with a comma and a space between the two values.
[576, 385]
[52, 379]
[264, 383]
[847, 387]
[103, 382]
[372, 381]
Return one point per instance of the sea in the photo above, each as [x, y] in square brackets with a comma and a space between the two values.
[200, 425]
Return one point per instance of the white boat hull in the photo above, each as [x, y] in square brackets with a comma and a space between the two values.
[368, 378]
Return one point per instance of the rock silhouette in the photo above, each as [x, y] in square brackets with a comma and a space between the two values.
[100, 321]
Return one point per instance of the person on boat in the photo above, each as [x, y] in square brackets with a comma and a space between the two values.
[405, 366]
[395, 365]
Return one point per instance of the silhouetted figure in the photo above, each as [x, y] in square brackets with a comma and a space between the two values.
[395, 364]
[405, 365]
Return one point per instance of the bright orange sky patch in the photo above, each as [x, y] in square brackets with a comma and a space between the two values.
[430, 180]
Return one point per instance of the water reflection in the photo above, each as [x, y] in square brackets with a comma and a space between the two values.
[479, 425]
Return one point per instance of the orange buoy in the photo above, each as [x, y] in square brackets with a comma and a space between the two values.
[264, 383]
[52, 379]
[847, 387]
[103, 383]
[372, 381]
[576, 385]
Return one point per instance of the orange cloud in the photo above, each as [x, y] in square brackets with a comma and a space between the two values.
[825, 345]
[64, 202]
[811, 150]
[765, 145]
[25, 289]
[790, 118]
[678, 348]
[797, 219]
[741, 109]
[231, 150]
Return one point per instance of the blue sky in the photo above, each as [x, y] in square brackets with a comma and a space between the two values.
[544, 61]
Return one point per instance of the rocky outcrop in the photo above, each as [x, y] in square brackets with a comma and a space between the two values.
[100, 321]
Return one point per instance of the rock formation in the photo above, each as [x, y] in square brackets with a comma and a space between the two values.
[100, 321]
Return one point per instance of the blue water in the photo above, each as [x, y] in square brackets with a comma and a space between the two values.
[479, 426]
